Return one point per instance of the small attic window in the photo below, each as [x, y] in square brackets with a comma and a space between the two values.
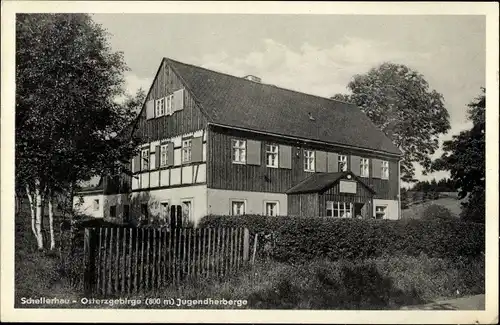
[311, 117]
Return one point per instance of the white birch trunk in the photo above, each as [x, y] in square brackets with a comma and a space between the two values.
[51, 223]
[32, 209]
[39, 215]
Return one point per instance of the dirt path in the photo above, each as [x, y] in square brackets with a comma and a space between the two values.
[464, 303]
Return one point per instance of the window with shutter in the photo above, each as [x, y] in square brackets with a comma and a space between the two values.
[239, 151]
[342, 163]
[160, 107]
[309, 160]
[272, 155]
[364, 167]
[163, 155]
[169, 99]
[384, 170]
[186, 151]
[145, 159]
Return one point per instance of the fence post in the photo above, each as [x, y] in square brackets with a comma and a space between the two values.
[246, 247]
[255, 248]
[89, 261]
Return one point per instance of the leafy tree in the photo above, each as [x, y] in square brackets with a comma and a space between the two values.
[67, 116]
[464, 157]
[398, 101]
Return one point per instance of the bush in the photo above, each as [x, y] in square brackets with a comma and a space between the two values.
[436, 211]
[303, 239]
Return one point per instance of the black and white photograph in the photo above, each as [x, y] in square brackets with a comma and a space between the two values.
[249, 160]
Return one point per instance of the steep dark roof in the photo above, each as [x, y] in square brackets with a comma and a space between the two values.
[236, 102]
[318, 182]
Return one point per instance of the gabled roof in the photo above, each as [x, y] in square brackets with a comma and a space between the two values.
[236, 102]
[319, 182]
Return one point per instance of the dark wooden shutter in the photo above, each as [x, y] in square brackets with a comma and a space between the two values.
[332, 162]
[376, 168]
[137, 163]
[355, 165]
[150, 109]
[178, 103]
[253, 152]
[157, 156]
[320, 160]
[170, 154]
[285, 157]
[197, 149]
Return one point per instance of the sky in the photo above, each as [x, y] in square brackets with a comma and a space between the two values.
[316, 54]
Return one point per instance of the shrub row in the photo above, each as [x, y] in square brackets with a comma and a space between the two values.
[299, 239]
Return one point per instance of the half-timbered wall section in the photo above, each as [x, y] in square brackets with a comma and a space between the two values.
[170, 109]
[171, 162]
[264, 171]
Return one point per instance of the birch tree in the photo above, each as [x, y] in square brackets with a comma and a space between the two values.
[67, 116]
[400, 102]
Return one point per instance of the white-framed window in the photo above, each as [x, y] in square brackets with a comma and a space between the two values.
[187, 209]
[272, 155]
[239, 151]
[160, 107]
[342, 163]
[163, 155]
[145, 159]
[237, 207]
[271, 208]
[96, 204]
[339, 209]
[186, 151]
[308, 160]
[364, 166]
[380, 211]
[168, 104]
[384, 169]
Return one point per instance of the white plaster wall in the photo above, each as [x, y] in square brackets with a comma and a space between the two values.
[392, 211]
[175, 176]
[174, 196]
[200, 173]
[219, 201]
[187, 174]
[177, 157]
[87, 206]
[154, 180]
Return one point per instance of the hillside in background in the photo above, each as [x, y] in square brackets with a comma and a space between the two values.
[447, 200]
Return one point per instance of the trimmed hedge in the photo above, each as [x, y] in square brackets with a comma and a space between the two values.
[300, 239]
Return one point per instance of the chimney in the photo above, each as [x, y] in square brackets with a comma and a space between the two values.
[252, 78]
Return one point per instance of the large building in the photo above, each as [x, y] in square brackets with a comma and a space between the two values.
[213, 143]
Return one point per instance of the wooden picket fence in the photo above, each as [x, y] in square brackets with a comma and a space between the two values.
[131, 260]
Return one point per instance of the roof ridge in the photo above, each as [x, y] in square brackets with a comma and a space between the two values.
[260, 83]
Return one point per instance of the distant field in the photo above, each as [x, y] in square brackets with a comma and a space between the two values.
[415, 211]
